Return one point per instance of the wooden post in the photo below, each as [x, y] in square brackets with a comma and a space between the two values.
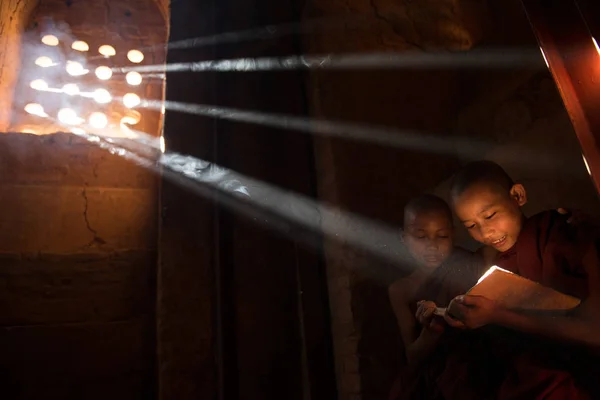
[574, 61]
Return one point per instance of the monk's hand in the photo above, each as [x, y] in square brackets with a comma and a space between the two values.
[426, 316]
[425, 310]
[579, 218]
[470, 312]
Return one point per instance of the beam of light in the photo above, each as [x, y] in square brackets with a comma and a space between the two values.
[74, 68]
[284, 208]
[107, 50]
[80, 45]
[273, 31]
[133, 78]
[384, 136]
[50, 40]
[596, 44]
[161, 76]
[296, 216]
[131, 100]
[267, 204]
[410, 60]
[71, 89]
[135, 56]
[102, 96]
[44, 62]
[38, 84]
[103, 73]
[35, 109]
[163, 144]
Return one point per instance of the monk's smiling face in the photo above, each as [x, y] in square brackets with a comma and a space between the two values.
[492, 215]
[428, 236]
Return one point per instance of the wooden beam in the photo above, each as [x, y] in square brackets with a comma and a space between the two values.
[574, 61]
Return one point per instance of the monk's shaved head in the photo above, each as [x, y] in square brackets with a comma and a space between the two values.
[426, 204]
[488, 203]
[481, 173]
[428, 230]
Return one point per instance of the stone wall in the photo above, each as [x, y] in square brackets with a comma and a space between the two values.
[78, 253]
[14, 15]
[77, 270]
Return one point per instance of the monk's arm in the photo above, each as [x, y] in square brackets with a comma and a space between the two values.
[577, 326]
[417, 347]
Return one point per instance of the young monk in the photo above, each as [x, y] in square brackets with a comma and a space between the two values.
[441, 272]
[544, 248]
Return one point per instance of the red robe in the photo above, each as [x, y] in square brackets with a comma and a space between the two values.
[548, 251]
[455, 276]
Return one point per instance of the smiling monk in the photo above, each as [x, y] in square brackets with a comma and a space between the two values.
[547, 355]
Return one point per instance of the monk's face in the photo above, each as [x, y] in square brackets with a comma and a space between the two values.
[428, 237]
[491, 215]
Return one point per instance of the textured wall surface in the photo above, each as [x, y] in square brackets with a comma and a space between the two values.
[78, 252]
[77, 270]
[14, 15]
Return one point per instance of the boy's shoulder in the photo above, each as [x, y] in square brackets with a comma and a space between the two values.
[553, 227]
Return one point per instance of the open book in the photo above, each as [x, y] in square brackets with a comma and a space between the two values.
[512, 291]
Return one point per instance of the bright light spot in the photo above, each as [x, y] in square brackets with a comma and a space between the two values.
[135, 56]
[44, 62]
[80, 45]
[28, 130]
[596, 44]
[78, 131]
[50, 40]
[102, 96]
[132, 118]
[98, 120]
[545, 59]
[107, 51]
[489, 272]
[131, 100]
[71, 89]
[163, 109]
[39, 84]
[75, 69]
[163, 146]
[133, 78]
[35, 109]
[103, 73]
[68, 116]
[587, 166]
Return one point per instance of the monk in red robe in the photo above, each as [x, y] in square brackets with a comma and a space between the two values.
[546, 355]
[441, 272]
